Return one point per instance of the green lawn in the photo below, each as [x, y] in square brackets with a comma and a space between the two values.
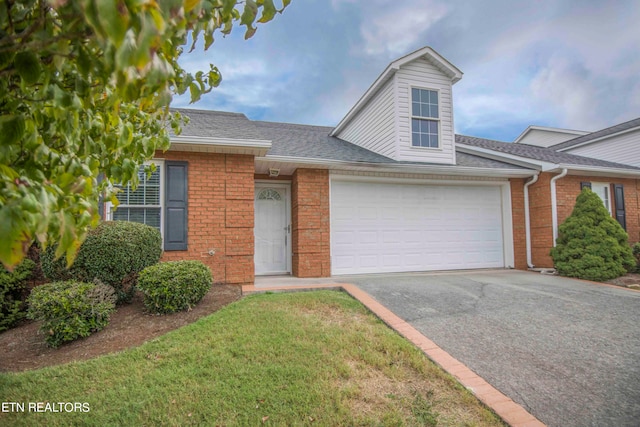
[317, 358]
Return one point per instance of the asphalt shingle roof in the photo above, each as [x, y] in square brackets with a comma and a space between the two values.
[538, 153]
[218, 124]
[315, 142]
[305, 141]
[598, 134]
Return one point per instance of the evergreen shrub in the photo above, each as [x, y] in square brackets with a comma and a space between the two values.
[591, 245]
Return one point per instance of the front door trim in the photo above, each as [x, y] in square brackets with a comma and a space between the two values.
[286, 186]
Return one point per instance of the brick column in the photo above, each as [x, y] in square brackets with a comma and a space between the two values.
[519, 233]
[239, 219]
[310, 223]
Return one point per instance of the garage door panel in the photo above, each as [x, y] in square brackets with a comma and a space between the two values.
[399, 227]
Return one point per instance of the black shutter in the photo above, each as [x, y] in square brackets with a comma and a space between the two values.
[175, 208]
[585, 184]
[619, 199]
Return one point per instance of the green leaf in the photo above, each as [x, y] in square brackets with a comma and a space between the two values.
[114, 18]
[11, 129]
[248, 17]
[15, 236]
[268, 11]
[28, 67]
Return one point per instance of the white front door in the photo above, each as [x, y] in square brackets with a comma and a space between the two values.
[272, 229]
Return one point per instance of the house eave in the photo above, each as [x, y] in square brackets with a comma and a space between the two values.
[430, 169]
[504, 157]
[600, 171]
[256, 147]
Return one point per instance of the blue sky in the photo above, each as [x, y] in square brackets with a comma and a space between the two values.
[570, 64]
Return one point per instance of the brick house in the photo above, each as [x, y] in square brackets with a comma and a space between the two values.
[391, 188]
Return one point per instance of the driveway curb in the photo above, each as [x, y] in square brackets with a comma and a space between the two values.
[510, 412]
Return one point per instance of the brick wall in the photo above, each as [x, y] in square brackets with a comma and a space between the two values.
[517, 214]
[567, 189]
[310, 223]
[221, 212]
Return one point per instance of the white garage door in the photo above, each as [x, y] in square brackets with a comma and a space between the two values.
[378, 227]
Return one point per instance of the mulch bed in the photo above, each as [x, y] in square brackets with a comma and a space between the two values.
[24, 347]
[631, 280]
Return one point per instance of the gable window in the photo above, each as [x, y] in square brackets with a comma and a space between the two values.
[425, 118]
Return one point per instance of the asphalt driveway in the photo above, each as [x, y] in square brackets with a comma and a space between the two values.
[567, 351]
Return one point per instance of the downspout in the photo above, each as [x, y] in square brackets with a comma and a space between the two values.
[554, 204]
[527, 219]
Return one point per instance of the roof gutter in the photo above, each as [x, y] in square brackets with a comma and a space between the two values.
[402, 168]
[258, 147]
[527, 219]
[554, 204]
[602, 171]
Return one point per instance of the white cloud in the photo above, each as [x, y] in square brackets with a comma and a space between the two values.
[562, 63]
[391, 28]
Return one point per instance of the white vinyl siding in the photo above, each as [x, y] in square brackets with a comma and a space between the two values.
[546, 138]
[374, 127]
[423, 74]
[624, 148]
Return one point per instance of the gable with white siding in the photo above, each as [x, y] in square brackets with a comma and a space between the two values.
[422, 74]
[623, 148]
[381, 120]
[375, 127]
[546, 137]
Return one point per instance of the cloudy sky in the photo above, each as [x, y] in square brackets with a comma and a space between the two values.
[571, 64]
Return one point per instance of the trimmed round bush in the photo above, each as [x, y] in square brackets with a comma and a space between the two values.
[114, 252]
[591, 244]
[71, 310]
[174, 286]
[13, 288]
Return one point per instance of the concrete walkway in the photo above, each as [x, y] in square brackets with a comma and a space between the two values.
[511, 412]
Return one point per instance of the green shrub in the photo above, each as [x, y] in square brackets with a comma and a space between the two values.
[71, 310]
[114, 252]
[13, 287]
[591, 244]
[174, 286]
[636, 253]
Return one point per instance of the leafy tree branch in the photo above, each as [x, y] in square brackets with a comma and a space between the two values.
[85, 89]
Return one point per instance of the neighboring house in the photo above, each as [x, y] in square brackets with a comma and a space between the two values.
[542, 136]
[619, 143]
[390, 189]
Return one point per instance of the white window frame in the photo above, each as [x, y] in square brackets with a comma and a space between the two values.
[160, 168]
[424, 118]
[595, 186]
